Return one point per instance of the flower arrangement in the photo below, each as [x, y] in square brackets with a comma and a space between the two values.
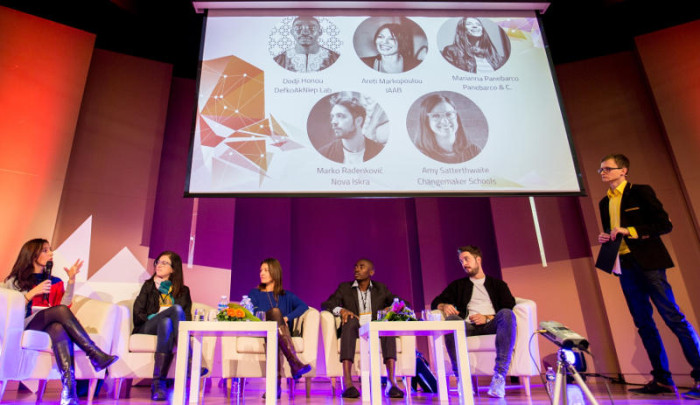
[235, 312]
[398, 311]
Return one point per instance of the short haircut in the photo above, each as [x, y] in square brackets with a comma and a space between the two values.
[306, 18]
[620, 160]
[352, 103]
[364, 259]
[474, 250]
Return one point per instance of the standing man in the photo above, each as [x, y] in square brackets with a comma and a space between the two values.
[633, 213]
[306, 55]
[355, 302]
[486, 305]
[347, 119]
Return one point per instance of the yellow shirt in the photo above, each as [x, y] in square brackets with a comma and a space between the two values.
[614, 201]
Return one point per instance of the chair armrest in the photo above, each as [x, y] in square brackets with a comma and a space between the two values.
[525, 311]
[97, 317]
[11, 330]
[329, 333]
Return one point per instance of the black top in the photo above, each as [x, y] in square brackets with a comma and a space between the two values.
[641, 209]
[459, 292]
[346, 297]
[148, 302]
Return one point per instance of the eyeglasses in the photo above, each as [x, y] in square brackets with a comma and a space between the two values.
[300, 28]
[607, 169]
[160, 262]
[450, 115]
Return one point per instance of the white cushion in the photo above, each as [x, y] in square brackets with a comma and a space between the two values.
[256, 345]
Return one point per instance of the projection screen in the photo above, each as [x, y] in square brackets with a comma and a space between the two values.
[410, 101]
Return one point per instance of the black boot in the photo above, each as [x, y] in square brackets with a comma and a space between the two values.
[80, 337]
[287, 346]
[159, 390]
[63, 350]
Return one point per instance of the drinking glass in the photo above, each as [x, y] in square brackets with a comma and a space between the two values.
[381, 314]
[426, 315]
[260, 315]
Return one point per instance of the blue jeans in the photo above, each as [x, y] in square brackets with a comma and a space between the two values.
[642, 287]
[503, 326]
[165, 326]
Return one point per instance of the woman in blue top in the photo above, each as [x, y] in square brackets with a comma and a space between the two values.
[280, 306]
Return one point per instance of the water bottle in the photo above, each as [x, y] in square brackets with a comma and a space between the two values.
[247, 303]
[223, 303]
[551, 378]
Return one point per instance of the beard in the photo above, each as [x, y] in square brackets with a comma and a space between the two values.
[472, 272]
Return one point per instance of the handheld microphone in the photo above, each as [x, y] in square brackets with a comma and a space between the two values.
[562, 336]
[47, 276]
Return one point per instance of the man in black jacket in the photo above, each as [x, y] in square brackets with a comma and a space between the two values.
[633, 213]
[486, 305]
[351, 301]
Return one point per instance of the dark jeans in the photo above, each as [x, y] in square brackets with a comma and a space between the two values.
[164, 325]
[503, 326]
[350, 332]
[641, 288]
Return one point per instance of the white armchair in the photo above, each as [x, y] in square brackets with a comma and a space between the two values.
[136, 351]
[244, 357]
[27, 355]
[405, 353]
[482, 349]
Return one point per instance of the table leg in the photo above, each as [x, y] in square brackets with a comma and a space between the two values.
[183, 348]
[466, 394]
[365, 368]
[196, 368]
[375, 367]
[271, 367]
[438, 345]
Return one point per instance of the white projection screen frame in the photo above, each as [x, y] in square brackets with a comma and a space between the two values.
[289, 92]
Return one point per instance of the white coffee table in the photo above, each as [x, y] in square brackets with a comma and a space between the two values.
[194, 332]
[371, 362]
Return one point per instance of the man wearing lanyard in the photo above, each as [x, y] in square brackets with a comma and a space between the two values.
[633, 213]
[356, 303]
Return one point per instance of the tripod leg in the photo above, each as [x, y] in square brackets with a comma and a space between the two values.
[583, 385]
[561, 378]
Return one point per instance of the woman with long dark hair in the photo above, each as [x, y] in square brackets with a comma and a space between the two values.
[282, 307]
[164, 301]
[473, 50]
[394, 46]
[442, 136]
[48, 310]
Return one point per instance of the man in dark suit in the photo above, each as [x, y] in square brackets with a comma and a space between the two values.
[361, 299]
[486, 304]
[632, 212]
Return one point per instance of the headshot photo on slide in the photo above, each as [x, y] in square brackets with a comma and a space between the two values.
[348, 127]
[447, 127]
[474, 44]
[305, 43]
[390, 44]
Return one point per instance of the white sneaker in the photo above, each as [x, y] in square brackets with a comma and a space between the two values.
[497, 389]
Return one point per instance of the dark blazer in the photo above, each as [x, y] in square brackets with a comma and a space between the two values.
[334, 150]
[459, 292]
[147, 303]
[641, 209]
[346, 297]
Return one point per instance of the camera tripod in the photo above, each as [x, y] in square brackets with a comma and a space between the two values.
[560, 383]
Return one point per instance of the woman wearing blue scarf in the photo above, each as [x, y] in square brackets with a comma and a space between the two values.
[163, 302]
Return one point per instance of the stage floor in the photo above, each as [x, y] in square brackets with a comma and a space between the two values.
[321, 394]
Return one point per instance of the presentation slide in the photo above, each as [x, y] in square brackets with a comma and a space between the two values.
[326, 104]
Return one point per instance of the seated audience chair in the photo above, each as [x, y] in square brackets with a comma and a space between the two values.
[405, 353]
[136, 351]
[27, 355]
[482, 349]
[244, 357]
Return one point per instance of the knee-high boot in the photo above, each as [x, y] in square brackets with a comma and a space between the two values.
[80, 337]
[287, 346]
[63, 351]
[159, 390]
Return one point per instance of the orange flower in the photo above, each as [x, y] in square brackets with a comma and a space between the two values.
[239, 313]
[231, 312]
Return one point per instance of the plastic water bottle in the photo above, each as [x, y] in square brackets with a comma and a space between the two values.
[223, 303]
[551, 378]
[247, 303]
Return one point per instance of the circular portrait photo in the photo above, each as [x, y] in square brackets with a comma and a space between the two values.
[347, 127]
[305, 43]
[390, 44]
[447, 127]
[474, 44]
